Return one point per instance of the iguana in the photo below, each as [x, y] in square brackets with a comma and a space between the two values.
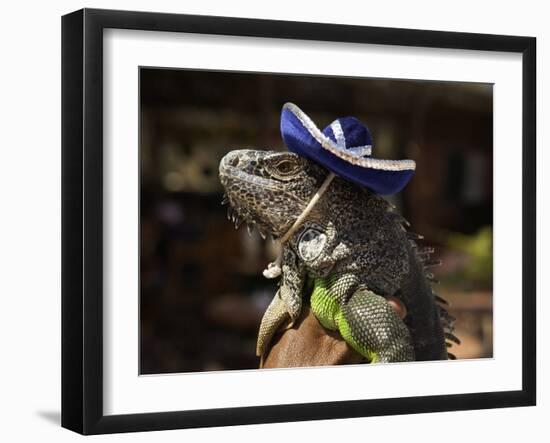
[350, 253]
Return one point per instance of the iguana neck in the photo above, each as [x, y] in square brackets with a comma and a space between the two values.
[345, 221]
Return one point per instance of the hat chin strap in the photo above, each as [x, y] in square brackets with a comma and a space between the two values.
[273, 270]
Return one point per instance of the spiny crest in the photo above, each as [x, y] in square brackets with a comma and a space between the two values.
[424, 256]
[239, 216]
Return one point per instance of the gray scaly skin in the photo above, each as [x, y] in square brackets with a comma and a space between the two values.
[349, 255]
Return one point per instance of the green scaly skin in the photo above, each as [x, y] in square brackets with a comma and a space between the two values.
[328, 311]
[354, 248]
[334, 316]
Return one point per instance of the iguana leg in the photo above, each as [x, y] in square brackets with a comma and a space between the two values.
[274, 318]
[372, 327]
[287, 303]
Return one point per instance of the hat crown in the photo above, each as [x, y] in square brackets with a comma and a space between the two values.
[344, 147]
[349, 134]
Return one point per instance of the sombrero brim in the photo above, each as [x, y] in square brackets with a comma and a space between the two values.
[303, 137]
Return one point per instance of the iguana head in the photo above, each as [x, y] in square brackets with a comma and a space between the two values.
[269, 189]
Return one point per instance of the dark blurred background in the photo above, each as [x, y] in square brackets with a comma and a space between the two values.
[202, 290]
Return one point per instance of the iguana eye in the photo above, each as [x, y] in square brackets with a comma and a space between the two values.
[286, 167]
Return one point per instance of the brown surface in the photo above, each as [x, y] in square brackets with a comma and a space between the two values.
[309, 344]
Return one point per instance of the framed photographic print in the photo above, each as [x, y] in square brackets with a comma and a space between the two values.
[328, 147]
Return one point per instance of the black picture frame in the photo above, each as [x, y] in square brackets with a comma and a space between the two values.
[82, 220]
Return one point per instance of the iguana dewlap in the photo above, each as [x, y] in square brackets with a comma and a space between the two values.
[347, 257]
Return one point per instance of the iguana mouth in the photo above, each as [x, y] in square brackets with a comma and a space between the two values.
[229, 170]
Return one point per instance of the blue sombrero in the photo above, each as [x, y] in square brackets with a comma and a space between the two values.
[344, 147]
